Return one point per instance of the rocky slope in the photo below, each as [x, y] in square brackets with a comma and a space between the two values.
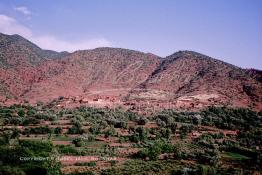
[18, 61]
[193, 79]
[256, 74]
[130, 78]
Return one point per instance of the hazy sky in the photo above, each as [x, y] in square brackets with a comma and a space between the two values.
[230, 30]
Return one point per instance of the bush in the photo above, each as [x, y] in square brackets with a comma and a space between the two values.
[36, 146]
[91, 163]
[39, 170]
[11, 156]
[154, 150]
[210, 157]
[7, 170]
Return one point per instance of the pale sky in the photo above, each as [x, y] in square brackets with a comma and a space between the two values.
[229, 30]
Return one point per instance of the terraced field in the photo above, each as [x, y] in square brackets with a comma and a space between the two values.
[105, 141]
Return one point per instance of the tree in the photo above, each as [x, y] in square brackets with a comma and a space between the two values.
[209, 156]
[184, 130]
[26, 132]
[95, 129]
[77, 123]
[173, 127]
[7, 170]
[76, 128]
[118, 124]
[177, 152]
[110, 132]
[6, 136]
[21, 113]
[15, 134]
[165, 133]
[58, 130]
[142, 121]
[142, 133]
[78, 142]
[153, 152]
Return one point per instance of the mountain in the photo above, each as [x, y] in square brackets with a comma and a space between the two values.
[16, 51]
[18, 61]
[193, 79]
[133, 79]
[109, 71]
[256, 74]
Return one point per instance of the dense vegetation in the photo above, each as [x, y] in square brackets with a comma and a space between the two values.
[217, 140]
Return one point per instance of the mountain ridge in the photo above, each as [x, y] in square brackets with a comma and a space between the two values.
[186, 79]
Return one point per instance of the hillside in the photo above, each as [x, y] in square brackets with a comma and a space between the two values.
[18, 61]
[129, 78]
[193, 79]
[17, 51]
[106, 71]
[256, 74]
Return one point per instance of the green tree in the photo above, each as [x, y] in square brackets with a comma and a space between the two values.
[153, 152]
[110, 132]
[6, 137]
[21, 113]
[58, 130]
[78, 142]
[15, 134]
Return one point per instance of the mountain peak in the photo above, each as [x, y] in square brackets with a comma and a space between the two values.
[124, 75]
[16, 50]
[185, 53]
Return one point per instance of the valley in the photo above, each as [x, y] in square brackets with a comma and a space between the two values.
[114, 111]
